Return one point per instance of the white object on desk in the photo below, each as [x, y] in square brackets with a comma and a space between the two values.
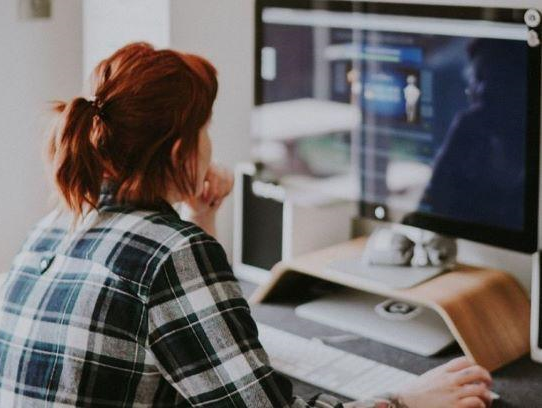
[289, 120]
[322, 191]
[421, 330]
[327, 367]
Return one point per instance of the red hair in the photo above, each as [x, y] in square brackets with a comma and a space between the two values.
[144, 101]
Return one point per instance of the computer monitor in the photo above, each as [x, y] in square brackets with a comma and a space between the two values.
[439, 107]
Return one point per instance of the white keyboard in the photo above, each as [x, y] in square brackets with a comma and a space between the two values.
[326, 367]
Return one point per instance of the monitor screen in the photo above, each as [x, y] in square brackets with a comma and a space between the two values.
[437, 106]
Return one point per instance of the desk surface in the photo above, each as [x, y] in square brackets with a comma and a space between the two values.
[519, 384]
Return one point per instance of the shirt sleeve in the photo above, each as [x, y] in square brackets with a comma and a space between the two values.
[204, 339]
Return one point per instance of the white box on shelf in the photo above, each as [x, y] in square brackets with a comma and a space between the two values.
[274, 223]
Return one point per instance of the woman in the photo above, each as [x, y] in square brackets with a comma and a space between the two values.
[114, 300]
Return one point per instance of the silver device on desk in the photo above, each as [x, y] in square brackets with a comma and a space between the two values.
[399, 324]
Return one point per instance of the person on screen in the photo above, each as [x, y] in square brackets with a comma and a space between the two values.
[478, 174]
[354, 79]
[114, 299]
[412, 96]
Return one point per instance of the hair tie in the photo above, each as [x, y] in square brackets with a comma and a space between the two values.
[97, 105]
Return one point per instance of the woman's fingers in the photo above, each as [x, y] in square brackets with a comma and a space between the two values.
[476, 390]
[214, 187]
[472, 402]
[457, 364]
[216, 203]
[205, 193]
[224, 182]
[474, 374]
[460, 384]
[220, 184]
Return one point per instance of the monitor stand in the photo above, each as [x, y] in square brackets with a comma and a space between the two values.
[486, 310]
[399, 257]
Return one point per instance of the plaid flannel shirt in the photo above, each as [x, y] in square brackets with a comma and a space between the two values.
[132, 308]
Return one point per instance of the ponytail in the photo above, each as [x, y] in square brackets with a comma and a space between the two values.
[78, 172]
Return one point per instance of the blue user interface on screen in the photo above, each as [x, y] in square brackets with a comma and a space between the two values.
[442, 126]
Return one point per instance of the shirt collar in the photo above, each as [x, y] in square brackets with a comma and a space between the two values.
[108, 202]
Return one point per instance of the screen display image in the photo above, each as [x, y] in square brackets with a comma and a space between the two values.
[440, 106]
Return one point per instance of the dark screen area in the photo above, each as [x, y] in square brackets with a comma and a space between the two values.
[262, 229]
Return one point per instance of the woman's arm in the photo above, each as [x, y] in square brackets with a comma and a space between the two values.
[204, 339]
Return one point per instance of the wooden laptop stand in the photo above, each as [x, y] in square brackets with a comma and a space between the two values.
[486, 310]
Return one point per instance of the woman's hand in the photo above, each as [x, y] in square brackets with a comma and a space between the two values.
[457, 384]
[201, 210]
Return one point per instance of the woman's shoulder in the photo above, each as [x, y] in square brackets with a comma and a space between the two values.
[189, 253]
[185, 237]
[128, 242]
[46, 234]
[168, 228]
[170, 235]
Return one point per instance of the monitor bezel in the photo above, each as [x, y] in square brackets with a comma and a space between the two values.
[525, 240]
[536, 291]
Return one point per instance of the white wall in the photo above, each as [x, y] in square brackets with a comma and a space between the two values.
[222, 31]
[41, 60]
[111, 24]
